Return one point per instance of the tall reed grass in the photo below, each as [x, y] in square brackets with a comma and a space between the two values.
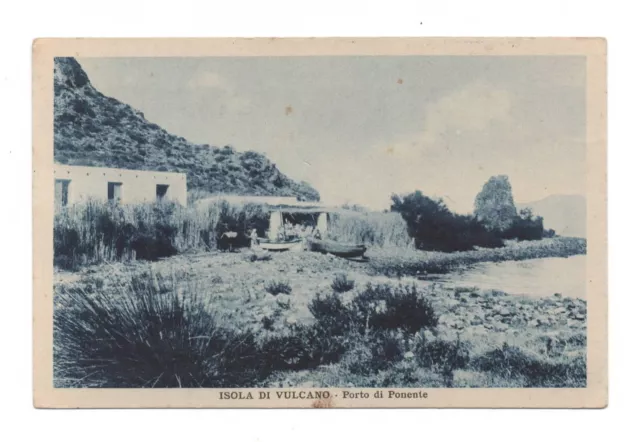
[377, 229]
[95, 232]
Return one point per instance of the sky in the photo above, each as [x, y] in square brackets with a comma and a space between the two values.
[362, 128]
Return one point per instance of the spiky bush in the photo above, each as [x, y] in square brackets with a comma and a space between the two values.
[275, 287]
[341, 283]
[152, 335]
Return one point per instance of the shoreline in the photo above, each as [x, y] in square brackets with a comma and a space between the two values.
[396, 261]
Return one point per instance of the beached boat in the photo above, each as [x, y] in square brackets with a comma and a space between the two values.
[279, 246]
[336, 248]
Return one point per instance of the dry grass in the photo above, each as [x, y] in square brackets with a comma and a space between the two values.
[375, 229]
[97, 232]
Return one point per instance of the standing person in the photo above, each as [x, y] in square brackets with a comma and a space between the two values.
[282, 233]
[254, 238]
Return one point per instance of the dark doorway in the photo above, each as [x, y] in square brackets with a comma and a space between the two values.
[62, 192]
[114, 192]
[161, 191]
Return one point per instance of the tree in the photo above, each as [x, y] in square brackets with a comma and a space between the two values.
[435, 227]
[526, 226]
[494, 205]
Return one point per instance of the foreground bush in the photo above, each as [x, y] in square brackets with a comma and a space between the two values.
[394, 307]
[509, 362]
[276, 287]
[372, 328]
[301, 348]
[441, 355]
[376, 308]
[150, 336]
[341, 283]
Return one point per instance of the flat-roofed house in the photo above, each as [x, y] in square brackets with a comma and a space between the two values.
[282, 210]
[74, 184]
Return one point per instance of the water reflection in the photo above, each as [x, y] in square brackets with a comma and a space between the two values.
[534, 277]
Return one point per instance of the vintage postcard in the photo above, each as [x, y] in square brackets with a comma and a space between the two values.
[320, 223]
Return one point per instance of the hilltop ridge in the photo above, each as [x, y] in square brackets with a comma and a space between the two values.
[566, 214]
[91, 129]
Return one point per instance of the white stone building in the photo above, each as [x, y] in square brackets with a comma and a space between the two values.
[75, 184]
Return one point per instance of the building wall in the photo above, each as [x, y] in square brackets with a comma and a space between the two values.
[137, 186]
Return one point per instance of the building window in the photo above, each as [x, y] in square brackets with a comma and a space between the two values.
[161, 191]
[62, 192]
[114, 192]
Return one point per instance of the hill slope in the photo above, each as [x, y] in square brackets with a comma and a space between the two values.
[91, 129]
[566, 214]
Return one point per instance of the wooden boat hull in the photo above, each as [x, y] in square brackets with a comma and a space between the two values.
[336, 248]
[279, 246]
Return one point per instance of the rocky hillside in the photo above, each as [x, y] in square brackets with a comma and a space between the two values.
[566, 214]
[94, 130]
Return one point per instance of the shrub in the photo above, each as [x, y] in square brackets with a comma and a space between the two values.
[253, 257]
[535, 370]
[268, 322]
[332, 314]
[441, 355]
[277, 287]
[341, 283]
[388, 346]
[376, 308]
[300, 348]
[150, 336]
[526, 227]
[435, 227]
[371, 354]
[387, 307]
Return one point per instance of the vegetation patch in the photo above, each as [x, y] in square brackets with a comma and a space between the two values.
[534, 369]
[341, 283]
[276, 287]
[150, 336]
[97, 232]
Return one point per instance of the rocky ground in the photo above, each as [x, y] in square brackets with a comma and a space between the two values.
[237, 286]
